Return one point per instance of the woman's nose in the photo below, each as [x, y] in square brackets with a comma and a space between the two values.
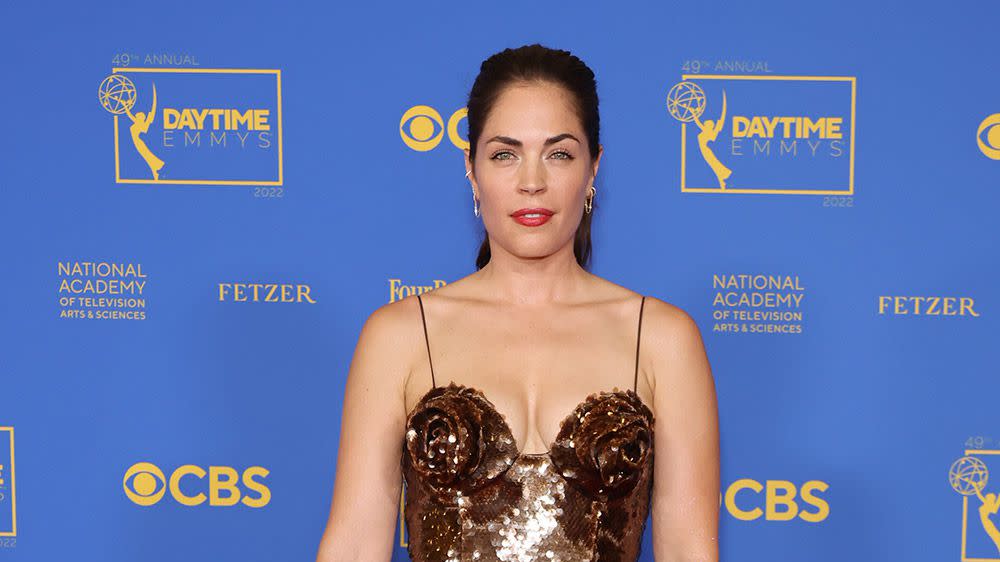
[532, 178]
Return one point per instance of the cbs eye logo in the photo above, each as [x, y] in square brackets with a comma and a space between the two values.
[988, 136]
[145, 484]
[422, 128]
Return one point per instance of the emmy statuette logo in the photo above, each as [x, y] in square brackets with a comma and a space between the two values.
[686, 103]
[969, 476]
[117, 95]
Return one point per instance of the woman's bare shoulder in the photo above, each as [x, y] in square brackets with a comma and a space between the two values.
[393, 334]
[667, 315]
[672, 338]
[393, 316]
[398, 321]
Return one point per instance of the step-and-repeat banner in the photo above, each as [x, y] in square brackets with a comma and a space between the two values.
[202, 204]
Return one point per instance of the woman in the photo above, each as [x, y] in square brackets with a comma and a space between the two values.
[518, 403]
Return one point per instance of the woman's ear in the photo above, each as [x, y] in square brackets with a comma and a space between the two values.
[597, 161]
[470, 174]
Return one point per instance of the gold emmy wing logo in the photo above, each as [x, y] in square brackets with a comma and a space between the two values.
[988, 136]
[969, 476]
[422, 128]
[118, 96]
[686, 103]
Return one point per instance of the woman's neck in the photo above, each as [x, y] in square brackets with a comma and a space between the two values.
[556, 278]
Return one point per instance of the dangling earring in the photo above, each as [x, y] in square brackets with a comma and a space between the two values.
[475, 202]
[588, 205]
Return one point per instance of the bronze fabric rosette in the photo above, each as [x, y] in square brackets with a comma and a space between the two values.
[456, 441]
[605, 445]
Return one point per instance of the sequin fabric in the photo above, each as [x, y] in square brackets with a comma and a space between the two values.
[472, 496]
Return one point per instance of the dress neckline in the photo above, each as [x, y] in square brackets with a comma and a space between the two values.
[452, 386]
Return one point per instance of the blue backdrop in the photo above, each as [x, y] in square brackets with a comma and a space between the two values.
[184, 287]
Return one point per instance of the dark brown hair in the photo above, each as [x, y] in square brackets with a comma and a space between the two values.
[527, 64]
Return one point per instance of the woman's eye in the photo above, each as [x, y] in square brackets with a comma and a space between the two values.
[502, 155]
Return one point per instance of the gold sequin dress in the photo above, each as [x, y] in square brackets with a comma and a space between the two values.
[471, 496]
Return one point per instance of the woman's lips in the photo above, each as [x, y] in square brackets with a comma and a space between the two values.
[531, 217]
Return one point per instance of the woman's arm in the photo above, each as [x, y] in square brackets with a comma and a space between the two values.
[367, 487]
[686, 450]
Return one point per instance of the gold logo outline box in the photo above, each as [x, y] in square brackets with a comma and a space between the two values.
[281, 159]
[787, 191]
[13, 488]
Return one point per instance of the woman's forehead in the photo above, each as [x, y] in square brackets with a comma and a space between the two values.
[532, 113]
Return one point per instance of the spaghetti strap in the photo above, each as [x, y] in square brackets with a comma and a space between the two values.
[427, 340]
[638, 338]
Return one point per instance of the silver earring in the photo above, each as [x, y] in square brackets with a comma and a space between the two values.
[588, 205]
[475, 202]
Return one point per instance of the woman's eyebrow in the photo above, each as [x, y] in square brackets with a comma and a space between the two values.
[514, 142]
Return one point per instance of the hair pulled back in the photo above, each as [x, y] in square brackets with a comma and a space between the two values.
[532, 63]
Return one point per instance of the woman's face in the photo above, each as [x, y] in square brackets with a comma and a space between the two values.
[532, 153]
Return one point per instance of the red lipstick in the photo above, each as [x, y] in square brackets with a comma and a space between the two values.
[534, 216]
